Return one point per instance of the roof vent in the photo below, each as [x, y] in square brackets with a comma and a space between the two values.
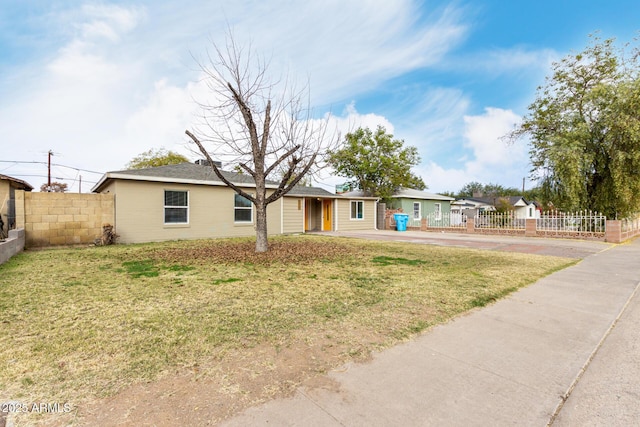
[204, 162]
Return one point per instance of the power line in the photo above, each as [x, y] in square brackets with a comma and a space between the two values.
[58, 177]
[52, 164]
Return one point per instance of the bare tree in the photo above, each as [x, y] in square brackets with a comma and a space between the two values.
[264, 127]
[54, 187]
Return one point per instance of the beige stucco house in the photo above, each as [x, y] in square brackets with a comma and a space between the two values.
[188, 201]
[8, 187]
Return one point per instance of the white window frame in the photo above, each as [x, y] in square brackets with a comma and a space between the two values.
[437, 212]
[164, 210]
[242, 208]
[419, 211]
[351, 204]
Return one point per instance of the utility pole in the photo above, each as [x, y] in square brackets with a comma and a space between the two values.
[49, 171]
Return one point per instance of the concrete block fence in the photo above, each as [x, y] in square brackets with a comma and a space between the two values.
[12, 245]
[51, 219]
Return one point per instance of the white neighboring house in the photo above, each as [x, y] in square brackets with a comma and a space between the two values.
[522, 208]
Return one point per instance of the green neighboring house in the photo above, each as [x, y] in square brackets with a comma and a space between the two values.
[421, 204]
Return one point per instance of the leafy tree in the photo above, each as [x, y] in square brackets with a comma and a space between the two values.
[487, 190]
[502, 205]
[535, 194]
[500, 190]
[470, 189]
[153, 158]
[264, 127]
[376, 163]
[584, 128]
[55, 187]
[448, 194]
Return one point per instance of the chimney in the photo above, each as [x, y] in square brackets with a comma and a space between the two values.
[204, 162]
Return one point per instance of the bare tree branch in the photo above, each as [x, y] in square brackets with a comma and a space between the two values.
[217, 171]
[264, 128]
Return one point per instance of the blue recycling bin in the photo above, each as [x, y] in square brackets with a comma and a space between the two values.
[401, 221]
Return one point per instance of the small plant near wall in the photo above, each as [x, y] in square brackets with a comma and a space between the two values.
[108, 237]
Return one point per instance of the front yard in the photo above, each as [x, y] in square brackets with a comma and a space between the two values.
[78, 326]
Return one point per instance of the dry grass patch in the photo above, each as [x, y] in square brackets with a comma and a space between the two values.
[84, 324]
[243, 251]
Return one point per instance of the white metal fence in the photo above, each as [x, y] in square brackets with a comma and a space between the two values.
[579, 224]
[503, 220]
[630, 224]
[582, 224]
[446, 220]
[413, 222]
[583, 221]
[440, 220]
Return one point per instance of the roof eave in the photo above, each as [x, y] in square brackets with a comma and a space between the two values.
[340, 196]
[25, 184]
[441, 198]
[128, 177]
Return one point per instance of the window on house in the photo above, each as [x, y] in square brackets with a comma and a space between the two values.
[530, 212]
[416, 210]
[438, 211]
[357, 209]
[176, 207]
[243, 209]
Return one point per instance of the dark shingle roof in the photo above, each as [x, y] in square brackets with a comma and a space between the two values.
[188, 171]
[203, 174]
[410, 193]
[303, 191]
[493, 200]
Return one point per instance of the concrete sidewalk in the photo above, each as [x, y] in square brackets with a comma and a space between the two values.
[574, 333]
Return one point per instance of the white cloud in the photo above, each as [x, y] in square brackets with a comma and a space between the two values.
[120, 78]
[343, 47]
[500, 61]
[163, 117]
[349, 121]
[491, 158]
[484, 135]
[108, 21]
[434, 120]
[439, 179]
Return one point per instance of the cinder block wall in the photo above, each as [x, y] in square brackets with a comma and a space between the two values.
[52, 219]
[12, 245]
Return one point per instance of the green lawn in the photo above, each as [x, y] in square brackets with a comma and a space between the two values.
[81, 324]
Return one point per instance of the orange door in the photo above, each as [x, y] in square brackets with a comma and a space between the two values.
[326, 215]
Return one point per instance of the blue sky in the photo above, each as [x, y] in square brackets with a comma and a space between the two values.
[100, 82]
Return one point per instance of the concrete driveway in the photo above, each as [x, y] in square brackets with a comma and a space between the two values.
[569, 248]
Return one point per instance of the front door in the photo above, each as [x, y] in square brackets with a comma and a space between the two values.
[327, 219]
[307, 214]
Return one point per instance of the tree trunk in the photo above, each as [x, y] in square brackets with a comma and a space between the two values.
[262, 244]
